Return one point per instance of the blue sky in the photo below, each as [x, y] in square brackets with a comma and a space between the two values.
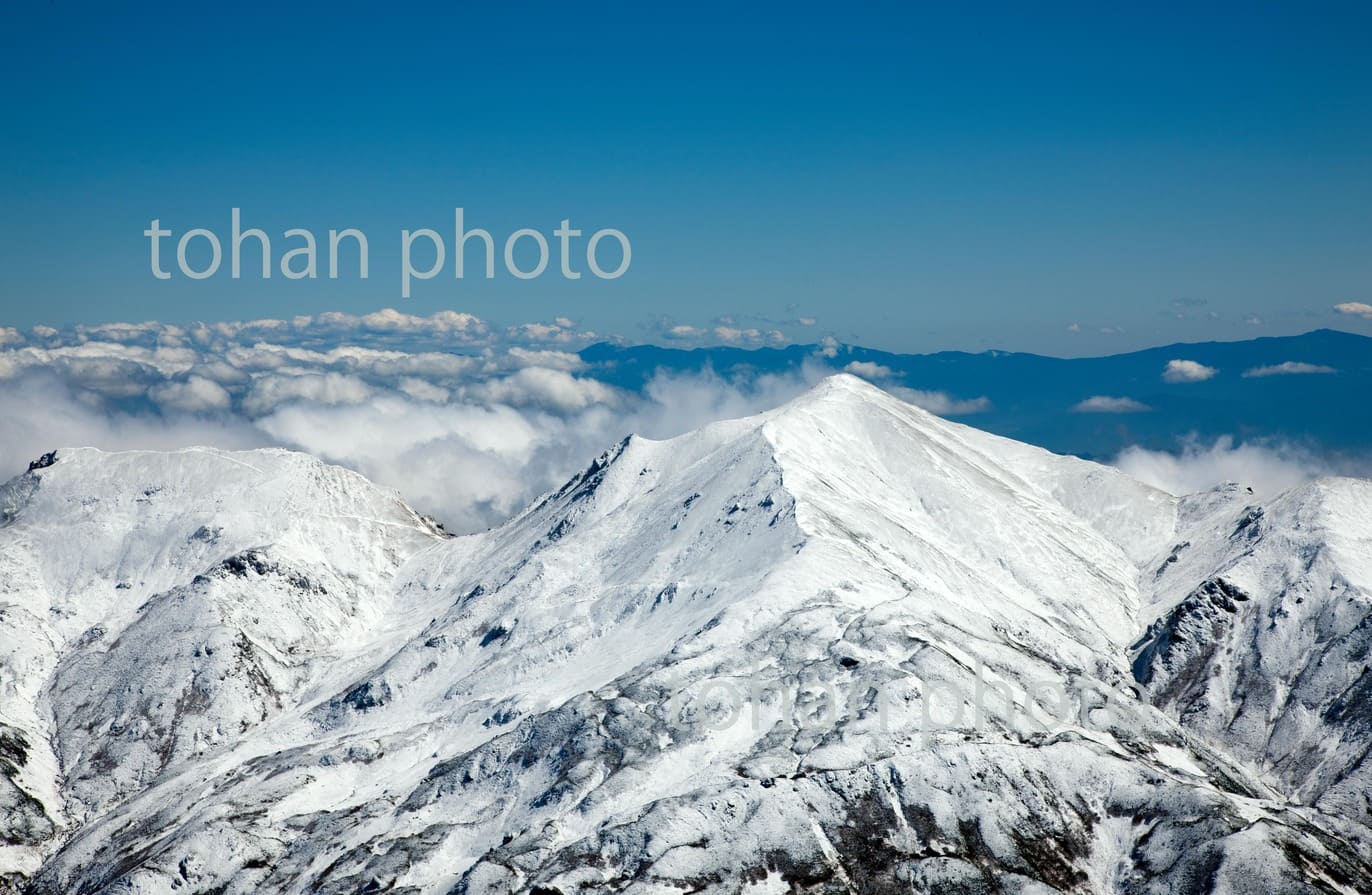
[909, 178]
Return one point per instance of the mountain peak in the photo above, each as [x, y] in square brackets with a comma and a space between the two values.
[843, 388]
[843, 397]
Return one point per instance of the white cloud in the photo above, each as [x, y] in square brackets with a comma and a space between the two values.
[1289, 368]
[1187, 371]
[471, 465]
[125, 332]
[424, 391]
[1268, 470]
[111, 373]
[1355, 308]
[941, 403]
[452, 324]
[724, 331]
[1106, 404]
[560, 330]
[551, 389]
[517, 357]
[732, 334]
[869, 370]
[43, 412]
[678, 403]
[271, 391]
[194, 395]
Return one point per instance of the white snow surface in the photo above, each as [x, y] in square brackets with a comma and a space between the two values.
[843, 646]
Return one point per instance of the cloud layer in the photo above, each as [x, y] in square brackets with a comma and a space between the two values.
[1268, 469]
[468, 422]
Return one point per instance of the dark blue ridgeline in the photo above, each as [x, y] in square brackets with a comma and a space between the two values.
[1032, 396]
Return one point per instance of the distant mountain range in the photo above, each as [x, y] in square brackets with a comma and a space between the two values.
[1312, 389]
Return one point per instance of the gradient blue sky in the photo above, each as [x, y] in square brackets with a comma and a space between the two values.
[911, 177]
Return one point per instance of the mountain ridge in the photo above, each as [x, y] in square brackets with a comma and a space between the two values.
[543, 705]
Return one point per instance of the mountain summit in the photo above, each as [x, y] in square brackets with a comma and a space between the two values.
[843, 646]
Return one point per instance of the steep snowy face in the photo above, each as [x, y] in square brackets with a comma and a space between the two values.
[844, 646]
[156, 606]
[1261, 636]
[892, 487]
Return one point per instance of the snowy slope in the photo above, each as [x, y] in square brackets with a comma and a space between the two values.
[844, 646]
[156, 606]
[1261, 637]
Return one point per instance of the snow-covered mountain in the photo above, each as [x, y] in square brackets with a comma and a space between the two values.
[844, 646]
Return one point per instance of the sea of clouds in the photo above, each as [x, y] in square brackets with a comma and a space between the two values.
[467, 421]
